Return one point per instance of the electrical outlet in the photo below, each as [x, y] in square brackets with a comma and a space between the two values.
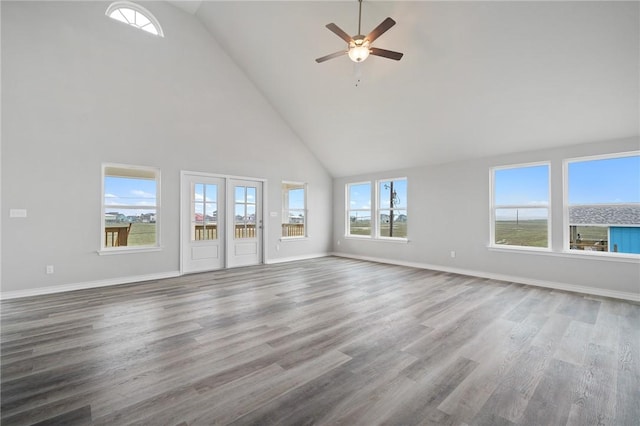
[277, 247]
[452, 254]
[49, 269]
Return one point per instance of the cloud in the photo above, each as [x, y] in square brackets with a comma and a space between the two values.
[142, 194]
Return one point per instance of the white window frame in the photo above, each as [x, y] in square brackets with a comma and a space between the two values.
[493, 207]
[349, 210]
[374, 211]
[286, 210]
[566, 249]
[142, 170]
[378, 209]
[139, 9]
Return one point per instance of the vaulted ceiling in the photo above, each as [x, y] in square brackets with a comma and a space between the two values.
[477, 78]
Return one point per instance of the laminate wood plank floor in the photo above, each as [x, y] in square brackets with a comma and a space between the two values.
[328, 341]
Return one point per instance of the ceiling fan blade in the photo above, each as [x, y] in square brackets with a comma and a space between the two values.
[380, 29]
[331, 56]
[396, 56]
[338, 31]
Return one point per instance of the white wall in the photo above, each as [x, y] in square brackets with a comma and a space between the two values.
[79, 89]
[449, 210]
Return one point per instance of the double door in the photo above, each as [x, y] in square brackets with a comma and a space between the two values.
[221, 222]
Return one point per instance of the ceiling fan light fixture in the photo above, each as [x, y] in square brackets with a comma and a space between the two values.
[359, 50]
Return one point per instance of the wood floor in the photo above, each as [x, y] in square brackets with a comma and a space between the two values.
[328, 341]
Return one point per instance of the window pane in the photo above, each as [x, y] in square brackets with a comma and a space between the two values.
[525, 186]
[251, 195]
[251, 213]
[522, 227]
[240, 194]
[293, 225]
[130, 15]
[130, 227]
[360, 196]
[359, 223]
[392, 194]
[117, 15]
[604, 203]
[393, 223]
[129, 191]
[150, 29]
[198, 191]
[296, 198]
[359, 209]
[211, 193]
[605, 181]
[141, 20]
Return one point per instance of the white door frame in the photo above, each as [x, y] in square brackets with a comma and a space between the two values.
[184, 214]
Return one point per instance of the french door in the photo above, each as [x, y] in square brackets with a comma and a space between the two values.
[221, 222]
[244, 227]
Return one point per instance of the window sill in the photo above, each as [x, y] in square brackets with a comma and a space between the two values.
[384, 240]
[607, 257]
[508, 248]
[108, 252]
[294, 238]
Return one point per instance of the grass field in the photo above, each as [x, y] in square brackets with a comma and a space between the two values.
[142, 234]
[364, 228]
[528, 233]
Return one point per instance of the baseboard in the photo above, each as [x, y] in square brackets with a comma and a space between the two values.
[294, 258]
[4, 295]
[634, 297]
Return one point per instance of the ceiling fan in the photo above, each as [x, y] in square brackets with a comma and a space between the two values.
[359, 46]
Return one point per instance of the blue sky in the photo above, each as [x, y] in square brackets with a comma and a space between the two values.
[137, 194]
[526, 186]
[296, 198]
[614, 180]
[360, 194]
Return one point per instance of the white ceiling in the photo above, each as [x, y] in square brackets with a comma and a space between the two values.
[477, 78]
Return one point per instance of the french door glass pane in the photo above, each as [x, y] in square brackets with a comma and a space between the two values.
[245, 212]
[205, 211]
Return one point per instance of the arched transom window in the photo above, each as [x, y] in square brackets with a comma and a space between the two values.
[134, 15]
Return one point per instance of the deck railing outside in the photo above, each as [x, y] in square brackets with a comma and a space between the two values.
[210, 231]
[293, 229]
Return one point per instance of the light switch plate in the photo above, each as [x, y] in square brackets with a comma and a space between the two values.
[17, 212]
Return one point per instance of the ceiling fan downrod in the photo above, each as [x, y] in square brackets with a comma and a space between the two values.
[359, 16]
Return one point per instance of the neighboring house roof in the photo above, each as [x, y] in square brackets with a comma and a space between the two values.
[605, 214]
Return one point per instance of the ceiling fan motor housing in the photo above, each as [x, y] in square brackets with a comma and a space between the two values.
[359, 48]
